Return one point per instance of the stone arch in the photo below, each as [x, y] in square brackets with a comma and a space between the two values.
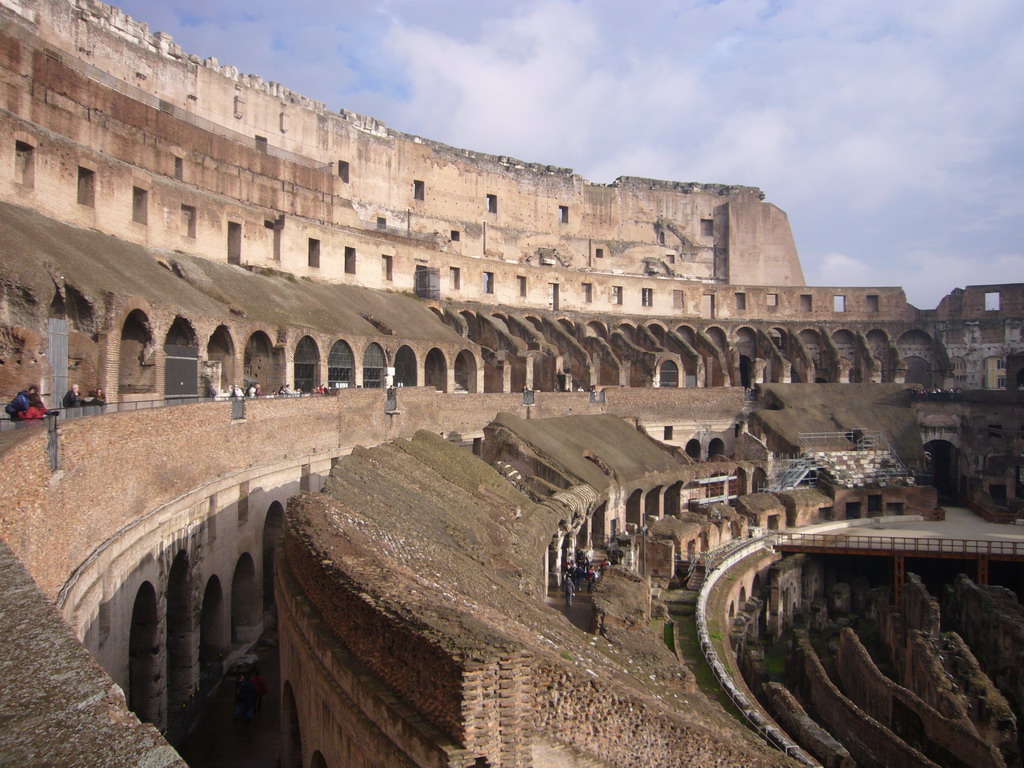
[180, 664]
[916, 351]
[693, 448]
[634, 509]
[942, 462]
[435, 370]
[812, 342]
[306, 365]
[262, 362]
[405, 367]
[657, 330]
[317, 761]
[652, 502]
[273, 534]
[245, 601]
[758, 480]
[668, 374]
[878, 346]
[673, 494]
[136, 368]
[465, 371]
[743, 596]
[340, 365]
[291, 750]
[182, 333]
[374, 365]
[716, 447]
[213, 635]
[919, 371]
[220, 358]
[144, 646]
[846, 347]
[597, 329]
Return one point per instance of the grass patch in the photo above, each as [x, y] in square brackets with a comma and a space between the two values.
[669, 635]
[706, 681]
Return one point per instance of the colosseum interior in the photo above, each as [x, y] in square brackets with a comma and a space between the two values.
[807, 496]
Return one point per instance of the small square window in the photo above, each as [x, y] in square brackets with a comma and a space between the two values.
[313, 252]
[872, 300]
[806, 302]
[343, 170]
[647, 297]
[772, 300]
[492, 203]
[188, 221]
[382, 223]
[488, 282]
[741, 301]
[670, 258]
[617, 294]
[456, 235]
[521, 281]
[419, 190]
[387, 267]
[86, 187]
[707, 227]
[588, 293]
[350, 260]
[140, 205]
[599, 253]
[838, 303]
[261, 144]
[563, 214]
[455, 278]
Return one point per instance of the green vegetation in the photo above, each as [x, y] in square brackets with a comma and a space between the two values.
[669, 635]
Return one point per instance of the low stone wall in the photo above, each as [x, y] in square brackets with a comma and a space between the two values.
[798, 724]
[950, 742]
[871, 743]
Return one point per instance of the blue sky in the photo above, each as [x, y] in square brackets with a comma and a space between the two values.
[891, 133]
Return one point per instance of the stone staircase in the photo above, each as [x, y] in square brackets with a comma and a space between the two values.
[859, 468]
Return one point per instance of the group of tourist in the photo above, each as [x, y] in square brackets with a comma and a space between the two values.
[28, 404]
[250, 688]
[580, 571]
[937, 394]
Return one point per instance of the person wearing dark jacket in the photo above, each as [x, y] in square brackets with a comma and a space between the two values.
[73, 399]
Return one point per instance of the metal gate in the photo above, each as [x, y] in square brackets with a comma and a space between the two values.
[57, 354]
[181, 377]
[428, 282]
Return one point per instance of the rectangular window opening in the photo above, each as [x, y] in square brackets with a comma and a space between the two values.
[343, 170]
[838, 303]
[456, 235]
[521, 281]
[707, 227]
[492, 203]
[806, 302]
[872, 300]
[86, 187]
[418, 190]
[488, 282]
[388, 267]
[678, 300]
[179, 169]
[261, 144]
[234, 242]
[741, 301]
[140, 205]
[313, 253]
[599, 253]
[188, 221]
[455, 278]
[647, 297]
[350, 260]
[563, 214]
[382, 223]
[668, 433]
[24, 163]
[707, 305]
[617, 294]
[992, 301]
[588, 293]
[772, 300]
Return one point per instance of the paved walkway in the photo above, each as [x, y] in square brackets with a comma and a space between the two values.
[219, 741]
[581, 614]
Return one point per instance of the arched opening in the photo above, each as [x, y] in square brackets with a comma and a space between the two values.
[743, 597]
[181, 360]
[465, 371]
[143, 657]
[598, 525]
[435, 370]
[340, 366]
[693, 448]
[671, 504]
[716, 448]
[373, 367]
[213, 639]
[746, 372]
[317, 761]
[652, 502]
[668, 374]
[306, 365]
[732, 609]
[137, 368]
[759, 481]
[273, 532]
[291, 751]
[180, 664]
[245, 601]
[918, 371]
[220, 359]
[261, 364]
[942, 461]
[634, 509]
[405, 367]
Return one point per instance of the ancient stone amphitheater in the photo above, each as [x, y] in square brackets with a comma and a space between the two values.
[514, 363]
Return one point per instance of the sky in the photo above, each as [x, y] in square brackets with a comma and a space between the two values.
[891, 133]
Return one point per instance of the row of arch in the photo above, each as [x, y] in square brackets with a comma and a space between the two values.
[265, 362]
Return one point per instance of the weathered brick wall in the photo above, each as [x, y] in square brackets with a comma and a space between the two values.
[871, 743]
[949, 742]
[798, 724]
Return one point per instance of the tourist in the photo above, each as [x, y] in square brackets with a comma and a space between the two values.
[36, 408]
[251, 391]
[211, 391]
[72, 399]
[260, 684]
[20, 403]
[96, 397]
[569, 589]
[245, 698]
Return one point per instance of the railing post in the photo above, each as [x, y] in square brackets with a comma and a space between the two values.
[53, 442]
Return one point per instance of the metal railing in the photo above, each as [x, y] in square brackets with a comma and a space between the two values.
[905, 545]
